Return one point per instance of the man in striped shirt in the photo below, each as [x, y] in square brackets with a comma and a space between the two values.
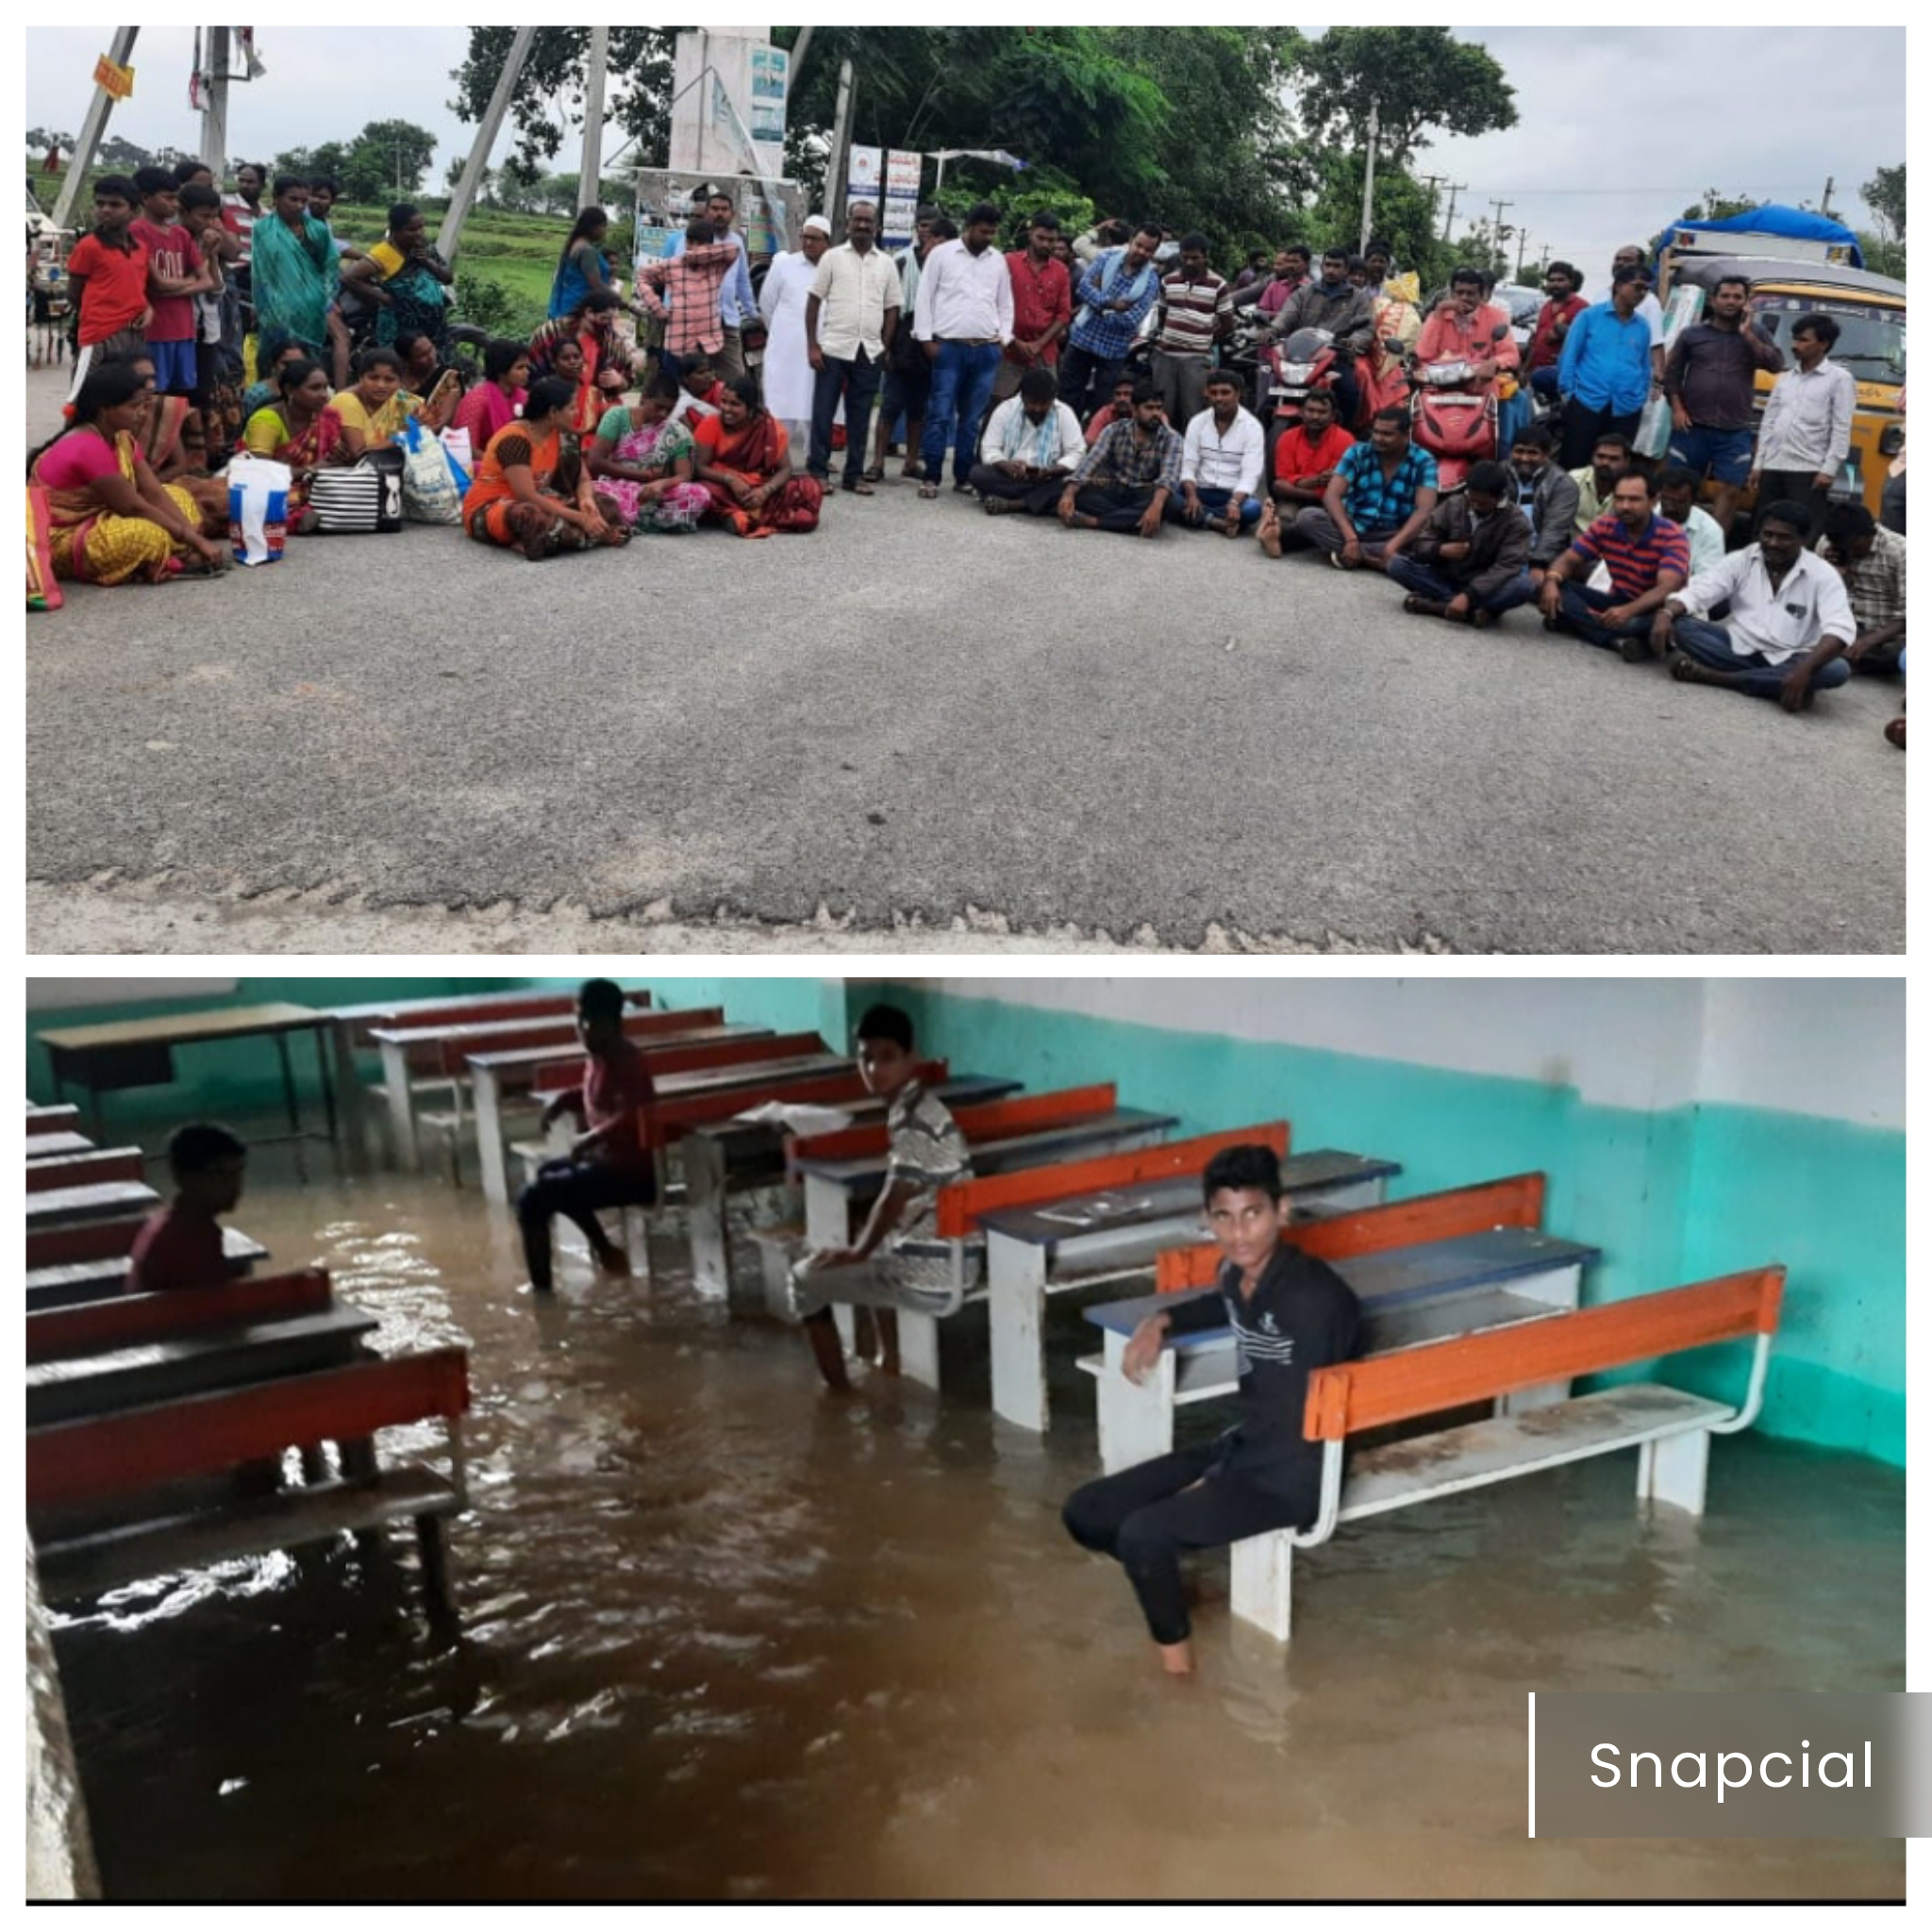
[1196, 311]
[898, 1259]
[1648, 558]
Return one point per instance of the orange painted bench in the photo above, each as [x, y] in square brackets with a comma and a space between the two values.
[1669, 1429]
[104, 1513]
[126, 1321]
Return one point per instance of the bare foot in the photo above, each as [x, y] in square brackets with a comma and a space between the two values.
[1270, 532]
[614, 1262]
[1177, 1659]
[1895, 731]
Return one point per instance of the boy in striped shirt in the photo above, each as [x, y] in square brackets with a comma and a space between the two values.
[1648, 558]
[1196, 311]
[898, 1259]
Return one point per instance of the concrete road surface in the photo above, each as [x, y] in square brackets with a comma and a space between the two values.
[921, 710]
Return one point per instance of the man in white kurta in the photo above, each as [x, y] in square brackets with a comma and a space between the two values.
[787, 371]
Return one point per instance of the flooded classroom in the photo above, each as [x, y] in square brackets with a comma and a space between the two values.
[373, 1568]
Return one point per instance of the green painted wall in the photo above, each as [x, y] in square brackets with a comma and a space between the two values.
[1671, 1197]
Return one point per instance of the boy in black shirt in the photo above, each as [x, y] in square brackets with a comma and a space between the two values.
[1290, 1314]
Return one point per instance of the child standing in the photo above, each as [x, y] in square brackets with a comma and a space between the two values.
[106, 279]
[176, 275]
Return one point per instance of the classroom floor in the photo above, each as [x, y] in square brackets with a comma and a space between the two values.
[726, 1636]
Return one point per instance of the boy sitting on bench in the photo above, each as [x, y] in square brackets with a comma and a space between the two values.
[1290, 1314]
[609, 1164]
[180, 1245]
[927, 1151]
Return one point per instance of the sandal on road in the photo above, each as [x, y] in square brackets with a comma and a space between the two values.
[928, 492]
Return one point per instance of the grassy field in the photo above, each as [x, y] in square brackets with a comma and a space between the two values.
[516, 251]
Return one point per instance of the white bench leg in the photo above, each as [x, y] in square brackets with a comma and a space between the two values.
[1016, 1305]
[1258, 1571]
[704, 1198]
[848, 1332]
[1542, 1395]
[827, 1214]
[1673, 1470]
[919, 1348]
[1136, 1420]
[402, 1108]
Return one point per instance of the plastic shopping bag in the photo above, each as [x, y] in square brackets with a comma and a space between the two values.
[258, 509]
[430, 486]
[1654, 429]
[462, 458]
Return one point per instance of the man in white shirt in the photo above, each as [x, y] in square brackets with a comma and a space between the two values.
[1033, 443]
[1788, 623]
[1805, 431]
[1677, 498]
[964, 318]
[1222, 461]
[849, 319]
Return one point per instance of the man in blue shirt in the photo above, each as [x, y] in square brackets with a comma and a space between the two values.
[1377, 500]
[1114, 298]
[1606, 373]
[738, 306]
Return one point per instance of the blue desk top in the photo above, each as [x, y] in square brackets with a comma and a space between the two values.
[1053, 1222]
[995, 1156]
[1395, 1277]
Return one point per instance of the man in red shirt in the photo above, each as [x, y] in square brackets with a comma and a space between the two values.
[1042, 306]
[1304, 459]
[176, 275]
[609, 1164]
[1561, 284]
[106, 280]
[180, 1245]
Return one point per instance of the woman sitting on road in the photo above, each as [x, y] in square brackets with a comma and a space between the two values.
[427, 374]
[407, 281]
[583, 268]
[375, 410]
[175, 446]
[493, 403]
[108, 520]
[642, 461]
[532, 490]
[302, 429]
[745, 461]
[274, 349]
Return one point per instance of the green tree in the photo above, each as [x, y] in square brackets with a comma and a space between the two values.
[1883, 256]
[387, 162]
[549, 100]
[1419, 79]
[1718, 207]
[41, 141]
[1885, 196]
[1405, 215]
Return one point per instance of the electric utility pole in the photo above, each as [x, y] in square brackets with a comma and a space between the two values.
[91, 128]
[464, 196]
[589, 176]
[842, 146]
[1456, 188]
[1369, 175]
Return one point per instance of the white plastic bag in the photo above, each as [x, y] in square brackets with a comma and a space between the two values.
[456, 444]
[430, 486]
[258, 509]
[1654, 429]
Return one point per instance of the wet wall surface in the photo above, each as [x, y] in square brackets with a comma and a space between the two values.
[725, 1635]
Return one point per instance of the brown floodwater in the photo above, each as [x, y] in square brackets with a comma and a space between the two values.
[727, 1636]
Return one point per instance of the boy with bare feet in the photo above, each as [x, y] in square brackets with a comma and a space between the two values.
[1290, 1314]
[609, 1164]
[898, 1260]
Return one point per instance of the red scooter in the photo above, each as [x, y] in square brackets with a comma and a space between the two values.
[1450, 417]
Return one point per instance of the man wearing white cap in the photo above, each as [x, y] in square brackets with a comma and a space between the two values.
[788, 372]
[849, 319]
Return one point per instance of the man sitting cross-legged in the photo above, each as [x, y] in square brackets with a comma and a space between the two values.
[1787, 617]
[1469, 562]
[898, 1260]
[1031, 446]
[1377, 500]
[609, 1164]
[1304, 460]
[1126, 480]
[1647, 556]
[1222, 460]
[1290, 1314]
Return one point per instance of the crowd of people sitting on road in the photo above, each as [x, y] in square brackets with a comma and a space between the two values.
[1085, 378]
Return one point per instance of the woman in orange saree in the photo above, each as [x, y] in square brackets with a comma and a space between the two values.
[745, 461]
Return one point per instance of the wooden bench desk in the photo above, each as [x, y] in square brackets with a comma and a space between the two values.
[1038, 1249]
[51, 1120]
[124, 1462]
[1410, 1296]
[141, 1053]
[101, 1201]
[57, 1146]
[102, 1278]
[1670, 1429]
[349, 1028]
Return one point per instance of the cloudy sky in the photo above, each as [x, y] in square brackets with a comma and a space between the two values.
[1619, 128]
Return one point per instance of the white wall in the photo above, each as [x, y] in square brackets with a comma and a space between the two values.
[1834, 1048]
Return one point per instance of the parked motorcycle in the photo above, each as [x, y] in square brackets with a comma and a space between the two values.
[1308, 360]
[1452, 419]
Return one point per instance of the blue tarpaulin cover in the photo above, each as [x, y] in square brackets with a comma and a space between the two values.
[1797, 223]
